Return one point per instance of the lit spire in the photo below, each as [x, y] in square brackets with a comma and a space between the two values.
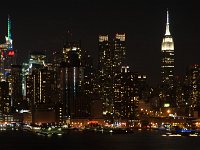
[9, 36]
[9, 27]
[167, 32]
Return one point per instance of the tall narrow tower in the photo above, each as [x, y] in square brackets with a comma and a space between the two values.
[6, 54]
[167, 67]
[111, 58]
[9, 54]
[167, 52]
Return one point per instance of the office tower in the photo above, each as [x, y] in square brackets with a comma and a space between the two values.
[25, 72]
[31, 78]
[143, 87]
[76, 80]
[111, 57]
[7, 54]
[193, 86]
[126, 95]
[58, 91]
[36, 58]
[105, 74]
[182, 95]
[5, 100]
[70, 85]
[40, 93]
[33, 96]
[119, 52]
[46, 86]
[88, 81]
[16, 82]
[41, 76]
[167, 67]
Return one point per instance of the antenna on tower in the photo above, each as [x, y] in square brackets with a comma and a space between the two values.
[167, 16]
[167, 32]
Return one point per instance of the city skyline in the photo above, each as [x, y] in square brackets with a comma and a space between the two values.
[124, 70]
[143, 23]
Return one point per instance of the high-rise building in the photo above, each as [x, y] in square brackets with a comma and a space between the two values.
[167, 52]
[40, 92]
[7, 54]
[32, 80]
[16, 82]
[167, 67]
[193, 89]
[88, 81]
[70, 85]
[105, 74]
[33, 89]
[119, 52]
[126, 94]
[182, 95]
[76, 80]
[5, 101]
[36, 59]
[111, 58]
[57, 59]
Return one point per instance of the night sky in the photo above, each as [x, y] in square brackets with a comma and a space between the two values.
[42, 25]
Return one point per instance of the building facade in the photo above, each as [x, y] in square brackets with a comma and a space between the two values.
[111, 58]
[16, 92]
[126, 95]
[167, 68]
[7, 54]
[193, 90]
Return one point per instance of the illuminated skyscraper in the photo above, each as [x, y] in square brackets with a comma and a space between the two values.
[70, 85]
[111, 58]
[36, 58]
[39, 86]
[7, 54]
[76, 80]
[88, 81]
[119, 52]
[105, 71]
[193, 87]
[167, 51]
[167, 66]
[126, 94]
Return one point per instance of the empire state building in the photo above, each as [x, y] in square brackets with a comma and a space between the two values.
[167, 69]
[167, 55]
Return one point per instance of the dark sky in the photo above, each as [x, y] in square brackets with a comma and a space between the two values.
[41, 25]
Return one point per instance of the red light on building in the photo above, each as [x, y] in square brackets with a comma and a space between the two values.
[11, 53]
[92, 122]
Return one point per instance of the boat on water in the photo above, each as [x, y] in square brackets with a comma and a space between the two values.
[181, 131]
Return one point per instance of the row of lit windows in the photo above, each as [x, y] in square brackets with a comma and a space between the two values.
[167, 66]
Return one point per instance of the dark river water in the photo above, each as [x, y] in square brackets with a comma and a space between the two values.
[145, 140]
